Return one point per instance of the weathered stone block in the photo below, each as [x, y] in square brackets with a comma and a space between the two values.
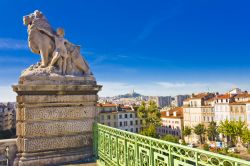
[54, 128]
[54, 143]
[55, 113]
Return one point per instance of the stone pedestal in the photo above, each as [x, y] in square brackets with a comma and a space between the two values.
[54, 119]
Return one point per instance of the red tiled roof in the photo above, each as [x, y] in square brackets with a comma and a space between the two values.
[179, 114]
[224, 96]
[106, 105]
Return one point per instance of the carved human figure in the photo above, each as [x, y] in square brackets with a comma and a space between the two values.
[60, 50]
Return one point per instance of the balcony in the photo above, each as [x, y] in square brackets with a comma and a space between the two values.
[117, 147]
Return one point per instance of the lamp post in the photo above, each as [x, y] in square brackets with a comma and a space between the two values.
[7, 155]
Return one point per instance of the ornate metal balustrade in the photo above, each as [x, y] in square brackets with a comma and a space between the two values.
[121, 148]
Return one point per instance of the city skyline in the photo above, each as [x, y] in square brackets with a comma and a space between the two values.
[161, 48]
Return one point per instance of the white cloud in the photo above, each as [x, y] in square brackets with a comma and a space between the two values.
[13, 44]
[7, 94]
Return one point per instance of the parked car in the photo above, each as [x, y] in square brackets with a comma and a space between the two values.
[233, 150]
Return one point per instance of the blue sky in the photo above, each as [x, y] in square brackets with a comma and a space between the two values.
[155, 47]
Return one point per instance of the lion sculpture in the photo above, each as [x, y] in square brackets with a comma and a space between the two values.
[40, 42]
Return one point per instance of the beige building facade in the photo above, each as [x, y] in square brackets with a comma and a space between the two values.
[198, 109]
[119, 116]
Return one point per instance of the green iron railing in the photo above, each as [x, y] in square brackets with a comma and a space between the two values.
[121, 148]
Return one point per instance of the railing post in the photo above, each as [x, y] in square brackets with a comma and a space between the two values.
[170, 159]
[151, 153]
[196, 158]
[95, 140]
[126, 152]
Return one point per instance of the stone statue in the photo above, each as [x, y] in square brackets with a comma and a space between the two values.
[56, 102]
[58, 55]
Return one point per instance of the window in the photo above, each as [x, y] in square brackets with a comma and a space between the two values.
[136, 122]
[132, 130]
[120, 124]
[120, 116]
[131, 123]
[126, 116]
[125, 123]
[141, 121]
[108, 123]
[108, 116]
[136, 130]
[131, 115]
[114, 116]
[102, 117]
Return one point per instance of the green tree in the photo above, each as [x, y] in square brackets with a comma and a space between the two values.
[232, 130]
[245, 137]
[186, 132]
[212, 132]
[150, 131]
[170, 138]
[200, 130]
[151, 118]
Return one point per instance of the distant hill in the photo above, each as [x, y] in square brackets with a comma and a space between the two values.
[130, 95]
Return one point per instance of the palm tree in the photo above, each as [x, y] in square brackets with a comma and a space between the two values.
[212, 132]
[200, 130]
[187, 132]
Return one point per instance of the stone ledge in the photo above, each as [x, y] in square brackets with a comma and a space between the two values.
[56, 89]
[56, 104]
[56, 98]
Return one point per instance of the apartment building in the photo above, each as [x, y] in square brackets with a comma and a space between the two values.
[198, 109]
[222, 107]
[178, 100]
[119, 116]
[162, 101]
[171, 122]
[232, 106]
[7, 116]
